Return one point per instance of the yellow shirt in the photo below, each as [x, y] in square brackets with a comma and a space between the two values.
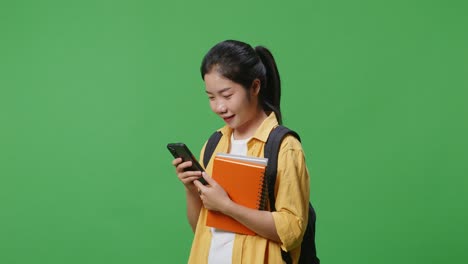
[292, 199]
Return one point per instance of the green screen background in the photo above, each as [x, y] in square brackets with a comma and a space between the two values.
[92, 91]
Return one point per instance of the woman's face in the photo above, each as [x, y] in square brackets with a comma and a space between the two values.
[232, 102]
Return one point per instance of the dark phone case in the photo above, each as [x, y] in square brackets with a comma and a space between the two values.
[180, 150]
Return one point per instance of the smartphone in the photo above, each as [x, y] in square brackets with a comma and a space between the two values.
[180, 150]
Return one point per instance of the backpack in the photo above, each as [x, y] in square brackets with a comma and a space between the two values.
[272, 146]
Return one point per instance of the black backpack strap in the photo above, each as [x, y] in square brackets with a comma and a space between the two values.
[211, 146]
[271, 151]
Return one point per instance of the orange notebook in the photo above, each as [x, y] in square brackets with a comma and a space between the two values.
[242, 177]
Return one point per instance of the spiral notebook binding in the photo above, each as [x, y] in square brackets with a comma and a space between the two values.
[262, 194]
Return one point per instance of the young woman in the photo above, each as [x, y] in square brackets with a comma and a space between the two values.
[243, 88]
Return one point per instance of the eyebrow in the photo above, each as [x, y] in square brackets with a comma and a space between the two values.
[220, 91]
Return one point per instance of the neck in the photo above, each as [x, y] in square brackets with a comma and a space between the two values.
[248, 129]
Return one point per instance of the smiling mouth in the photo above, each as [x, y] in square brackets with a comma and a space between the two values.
[226, 119]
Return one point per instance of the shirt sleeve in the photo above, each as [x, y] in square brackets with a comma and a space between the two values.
[292, 194]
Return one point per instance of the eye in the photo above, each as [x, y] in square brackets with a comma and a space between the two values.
[211, 98]
[227, 96]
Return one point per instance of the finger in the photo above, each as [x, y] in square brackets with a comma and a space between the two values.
[182, 166]
[208, 179]
[190, 179]
[176, 162]
[199, 185]
[189, 174]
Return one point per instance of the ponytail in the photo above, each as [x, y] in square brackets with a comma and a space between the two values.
[270, 91]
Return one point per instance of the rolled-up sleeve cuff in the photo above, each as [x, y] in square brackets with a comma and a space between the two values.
[289, 229]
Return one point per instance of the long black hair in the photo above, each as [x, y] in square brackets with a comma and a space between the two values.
[240, 63]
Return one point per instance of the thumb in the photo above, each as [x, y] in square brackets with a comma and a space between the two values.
[208, 179]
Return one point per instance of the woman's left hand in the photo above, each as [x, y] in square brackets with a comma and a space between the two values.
[212, 195]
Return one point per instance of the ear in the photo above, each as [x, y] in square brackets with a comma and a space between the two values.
[255, 89]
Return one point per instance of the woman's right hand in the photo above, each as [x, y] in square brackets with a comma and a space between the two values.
[186, 177]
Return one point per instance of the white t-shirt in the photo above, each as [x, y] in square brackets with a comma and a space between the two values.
[222, 241]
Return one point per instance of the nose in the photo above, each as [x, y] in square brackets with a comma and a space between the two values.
[220, 108]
